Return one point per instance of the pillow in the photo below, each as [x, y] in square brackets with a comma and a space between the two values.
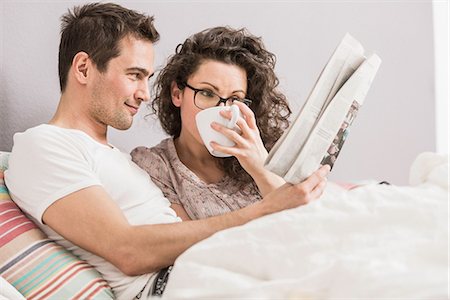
[3, 161]
[38, 267]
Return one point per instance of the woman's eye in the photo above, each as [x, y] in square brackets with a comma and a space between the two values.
[207, 93]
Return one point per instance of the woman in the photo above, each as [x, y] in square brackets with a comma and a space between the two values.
[226, 66]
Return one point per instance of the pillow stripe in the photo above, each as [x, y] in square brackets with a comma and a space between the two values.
[59, 280]
[51, 265]
[3, 190]
[74, 270]
[15, 221]
[15, 232]
[12, 222]
[90, 290]
[98, 289]
[17, 260]
[102, 291]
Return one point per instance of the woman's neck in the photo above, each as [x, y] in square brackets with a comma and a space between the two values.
[196, 158]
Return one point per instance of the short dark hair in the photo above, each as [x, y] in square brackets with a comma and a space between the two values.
[232, 46]
[97, 29]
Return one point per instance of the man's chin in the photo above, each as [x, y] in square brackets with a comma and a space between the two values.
[122, 125]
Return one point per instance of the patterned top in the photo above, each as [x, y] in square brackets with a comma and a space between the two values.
[181, 186]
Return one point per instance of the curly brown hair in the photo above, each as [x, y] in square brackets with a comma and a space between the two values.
[231, 46]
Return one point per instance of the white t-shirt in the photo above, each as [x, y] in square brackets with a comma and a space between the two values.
[48, 162]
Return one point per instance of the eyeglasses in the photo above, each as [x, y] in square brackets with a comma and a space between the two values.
[205, 99]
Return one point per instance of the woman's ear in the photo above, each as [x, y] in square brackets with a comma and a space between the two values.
[176, 94]
[80, 67]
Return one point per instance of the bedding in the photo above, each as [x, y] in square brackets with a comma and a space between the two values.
[374, 241]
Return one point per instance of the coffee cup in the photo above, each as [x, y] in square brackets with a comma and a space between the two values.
[204, 119]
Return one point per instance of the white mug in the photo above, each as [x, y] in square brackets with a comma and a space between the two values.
[204, 119]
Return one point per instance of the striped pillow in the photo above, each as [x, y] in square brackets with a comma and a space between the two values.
[38, 267]
[3, 161]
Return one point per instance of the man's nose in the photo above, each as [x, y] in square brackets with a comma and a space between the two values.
[143, 93]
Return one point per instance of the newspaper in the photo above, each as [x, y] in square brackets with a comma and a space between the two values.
[318, 132]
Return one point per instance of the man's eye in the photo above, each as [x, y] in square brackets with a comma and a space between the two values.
[136, 75]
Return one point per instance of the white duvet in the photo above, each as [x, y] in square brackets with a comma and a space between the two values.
[376, 241]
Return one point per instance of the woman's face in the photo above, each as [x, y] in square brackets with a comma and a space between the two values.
[225, 80]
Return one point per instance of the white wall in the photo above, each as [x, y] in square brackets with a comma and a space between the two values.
[441, 41]
[396, 123]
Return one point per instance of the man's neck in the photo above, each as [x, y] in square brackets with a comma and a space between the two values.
[71, 115]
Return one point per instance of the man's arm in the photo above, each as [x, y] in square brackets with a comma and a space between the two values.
[90, 219]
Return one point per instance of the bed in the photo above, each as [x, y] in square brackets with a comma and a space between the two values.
[374, 241]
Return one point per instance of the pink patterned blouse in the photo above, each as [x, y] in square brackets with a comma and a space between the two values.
[181, 186]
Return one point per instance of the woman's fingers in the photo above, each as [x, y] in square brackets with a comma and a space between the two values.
[224, 149]
[249, 148]
[247, 113]
[312, 184]
[229, 133]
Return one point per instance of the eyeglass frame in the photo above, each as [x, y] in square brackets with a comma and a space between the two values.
[246, 101]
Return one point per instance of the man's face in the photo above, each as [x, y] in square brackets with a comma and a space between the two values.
[117, 93]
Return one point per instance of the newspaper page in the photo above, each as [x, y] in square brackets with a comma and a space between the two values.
[345, 59]
[328, 136]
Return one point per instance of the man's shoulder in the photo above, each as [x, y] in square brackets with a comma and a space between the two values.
[41, 136]
[46, 142]
[36, 131]
[32, 136]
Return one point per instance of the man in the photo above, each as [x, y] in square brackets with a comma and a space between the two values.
[85, 193]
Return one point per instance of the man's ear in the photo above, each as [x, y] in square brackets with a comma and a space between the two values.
[176, 94]
[80, 67]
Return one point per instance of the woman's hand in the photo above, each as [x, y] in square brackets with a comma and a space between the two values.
[249, 148]
[294, 195]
